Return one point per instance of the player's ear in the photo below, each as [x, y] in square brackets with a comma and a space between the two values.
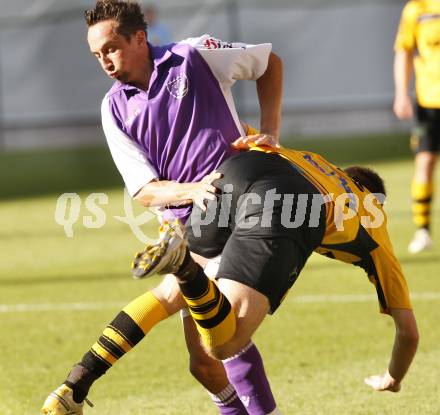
[140, 37]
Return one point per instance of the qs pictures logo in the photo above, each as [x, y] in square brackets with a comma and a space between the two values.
[70, 205]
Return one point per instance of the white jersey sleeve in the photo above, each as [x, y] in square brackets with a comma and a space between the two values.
[230, 62]
[130, 159]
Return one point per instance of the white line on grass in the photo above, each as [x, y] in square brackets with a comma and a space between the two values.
[358, 298]
[22, 308]
[350, 298]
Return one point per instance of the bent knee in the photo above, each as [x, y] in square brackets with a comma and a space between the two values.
[229, 349]
[425, 161]
[206, 371]
[221, 352]
[169, 295]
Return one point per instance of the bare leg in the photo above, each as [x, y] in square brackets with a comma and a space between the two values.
[226, 318]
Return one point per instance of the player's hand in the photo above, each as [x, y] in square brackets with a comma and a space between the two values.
[383, 383]
[204, 190]
[245, 143]
[402, 107]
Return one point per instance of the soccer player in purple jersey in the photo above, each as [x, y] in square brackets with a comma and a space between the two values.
[170, 121]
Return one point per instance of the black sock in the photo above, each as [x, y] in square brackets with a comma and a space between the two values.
[188, 270]
[80, 379]
[197, 286]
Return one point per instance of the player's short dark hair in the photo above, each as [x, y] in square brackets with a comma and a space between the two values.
[367, 178]
[127, 14]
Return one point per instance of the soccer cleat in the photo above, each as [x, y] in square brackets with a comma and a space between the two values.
[60, 402]
[421, 241]
[163, 257]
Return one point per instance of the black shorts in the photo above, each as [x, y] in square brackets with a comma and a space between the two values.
[264, 231]
[426, 134]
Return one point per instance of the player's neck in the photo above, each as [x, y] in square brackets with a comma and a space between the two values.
[142, 78]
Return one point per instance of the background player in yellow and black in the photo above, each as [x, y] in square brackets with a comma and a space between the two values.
[417, 47]
[263, 247]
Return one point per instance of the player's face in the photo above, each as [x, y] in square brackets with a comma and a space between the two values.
[119, 57]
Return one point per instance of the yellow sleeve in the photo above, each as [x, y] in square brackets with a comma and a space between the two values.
[406, 33]
[390, 281]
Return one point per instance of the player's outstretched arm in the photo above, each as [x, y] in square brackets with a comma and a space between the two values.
[165, 193]
[270, 90]
[404, 349]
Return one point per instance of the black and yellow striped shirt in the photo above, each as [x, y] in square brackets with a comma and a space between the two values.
[363, 239]
[419, 33]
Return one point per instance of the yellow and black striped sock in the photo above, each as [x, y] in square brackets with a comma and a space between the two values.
[210, 309]
[421, 203]
[126, 330]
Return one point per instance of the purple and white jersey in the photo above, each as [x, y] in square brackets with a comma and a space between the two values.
[182, 128]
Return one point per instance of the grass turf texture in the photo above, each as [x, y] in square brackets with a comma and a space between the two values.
[86, 169]
[316, 353]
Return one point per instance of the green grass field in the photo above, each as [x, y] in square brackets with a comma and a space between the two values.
[57, 294]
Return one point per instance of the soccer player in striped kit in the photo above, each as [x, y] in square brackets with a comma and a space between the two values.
[418, 46]
[169, 121]
[275, 207]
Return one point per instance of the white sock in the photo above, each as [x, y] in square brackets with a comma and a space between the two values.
[225, 397]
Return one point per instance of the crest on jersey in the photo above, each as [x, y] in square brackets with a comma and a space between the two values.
[178, 86]
[213, 43]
